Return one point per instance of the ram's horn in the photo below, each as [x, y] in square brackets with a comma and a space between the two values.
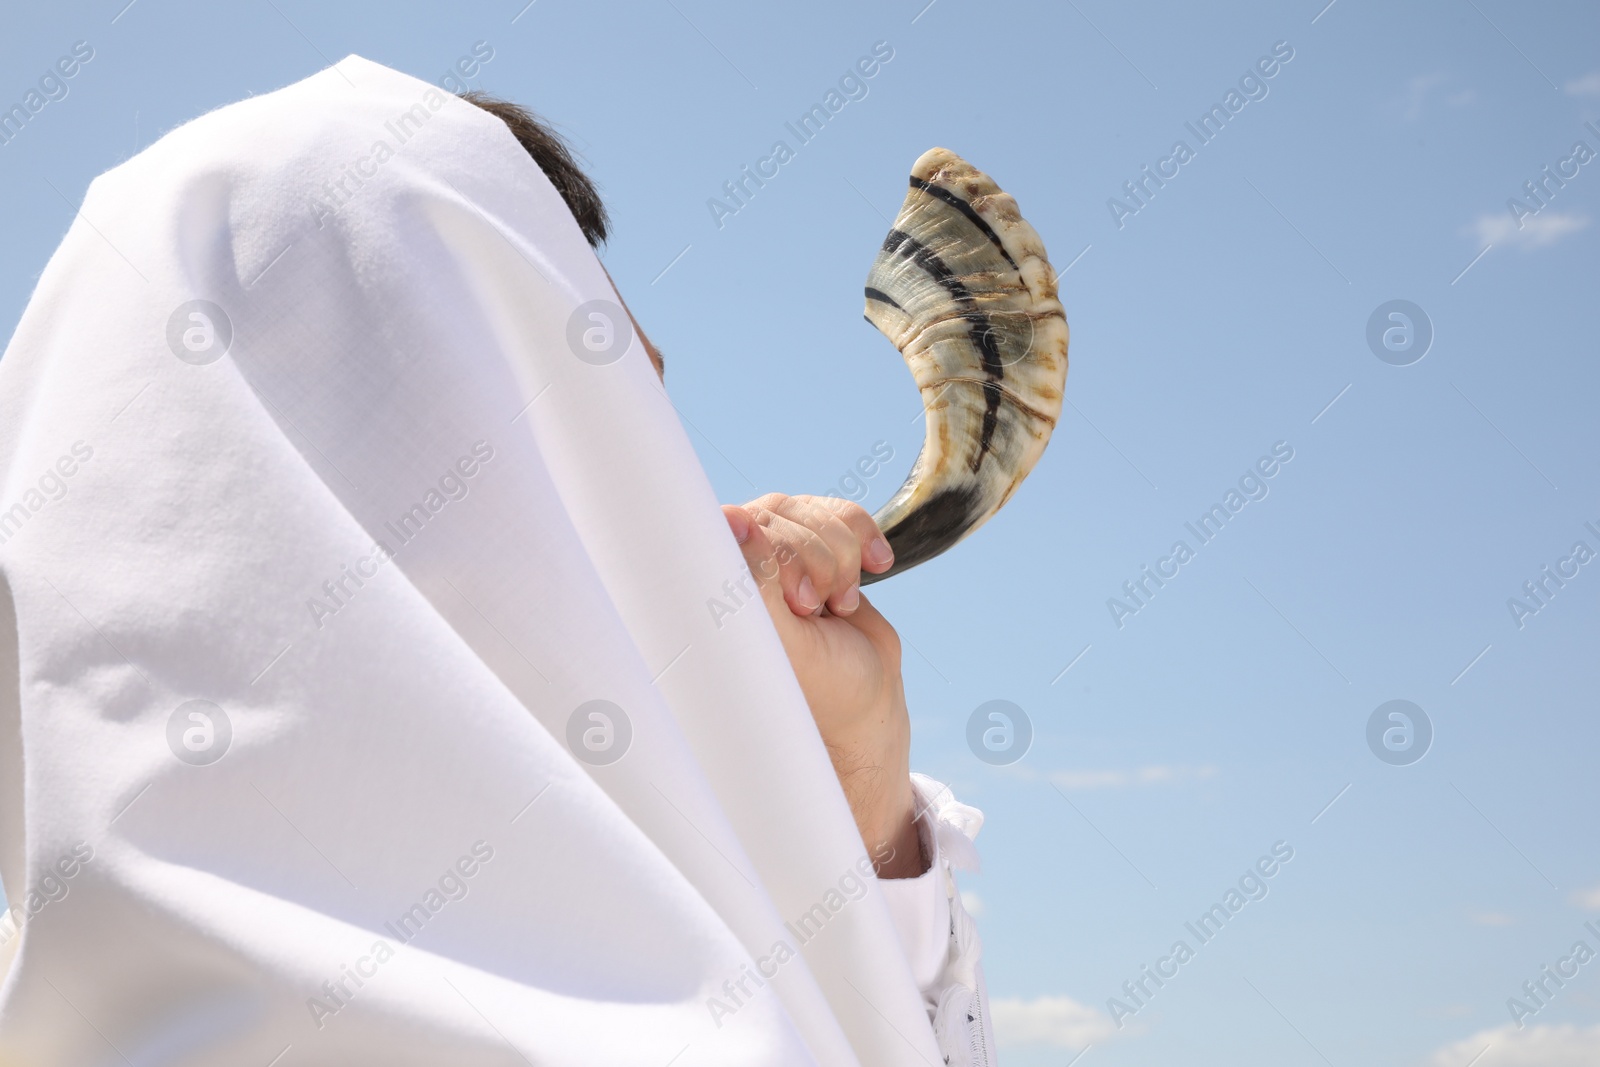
[963, 289]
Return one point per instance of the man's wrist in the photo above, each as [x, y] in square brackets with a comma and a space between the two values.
[873, 764]
[888, 822]
[899, 853]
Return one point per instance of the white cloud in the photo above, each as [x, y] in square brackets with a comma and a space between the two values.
[1588, 85]
[1420, 92]
[1534, 1046]
[1107, 779]
[1537, 231]
[1587, 899]
[1058, 1021]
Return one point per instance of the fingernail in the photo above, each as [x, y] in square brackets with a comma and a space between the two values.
[851, 600]
[879, 553]
[739, 523]
[806, 596]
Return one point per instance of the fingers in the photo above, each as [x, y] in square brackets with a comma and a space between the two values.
[790, 563]
[845, 530]
[817, 545]
[810, 570]
[828, 548]
[765, 559]
[873, 548]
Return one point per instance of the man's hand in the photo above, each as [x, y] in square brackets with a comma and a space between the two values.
[806, 554]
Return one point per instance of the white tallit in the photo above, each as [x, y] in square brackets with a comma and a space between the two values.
[393, 539]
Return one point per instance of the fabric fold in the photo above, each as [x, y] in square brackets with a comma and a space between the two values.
[369, 577]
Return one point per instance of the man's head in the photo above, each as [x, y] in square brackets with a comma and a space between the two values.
[551, 152]
[555, 158]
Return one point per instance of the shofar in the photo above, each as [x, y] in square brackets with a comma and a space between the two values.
[963, 289]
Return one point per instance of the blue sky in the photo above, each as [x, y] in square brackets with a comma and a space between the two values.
[1225, 315]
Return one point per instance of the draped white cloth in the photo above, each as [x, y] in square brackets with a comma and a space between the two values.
[318, 539]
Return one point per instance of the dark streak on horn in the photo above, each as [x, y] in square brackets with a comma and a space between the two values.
[968, 211]
[979, 329]
[929, 530]
[883, 298]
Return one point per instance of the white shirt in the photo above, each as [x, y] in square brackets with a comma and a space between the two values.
[940, 939]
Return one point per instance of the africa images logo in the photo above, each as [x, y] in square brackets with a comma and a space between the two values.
[999, 733]
[199, 332]
[599, 732]
[199, 732]
[1399, 733]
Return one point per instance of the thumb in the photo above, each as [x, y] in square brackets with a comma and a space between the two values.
[879, 631]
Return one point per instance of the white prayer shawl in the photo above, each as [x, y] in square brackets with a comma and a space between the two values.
[371, 508]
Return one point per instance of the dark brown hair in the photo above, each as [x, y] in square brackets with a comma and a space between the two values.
[555, 158]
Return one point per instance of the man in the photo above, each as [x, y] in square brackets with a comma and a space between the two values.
[353, 654]
[807, 553]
